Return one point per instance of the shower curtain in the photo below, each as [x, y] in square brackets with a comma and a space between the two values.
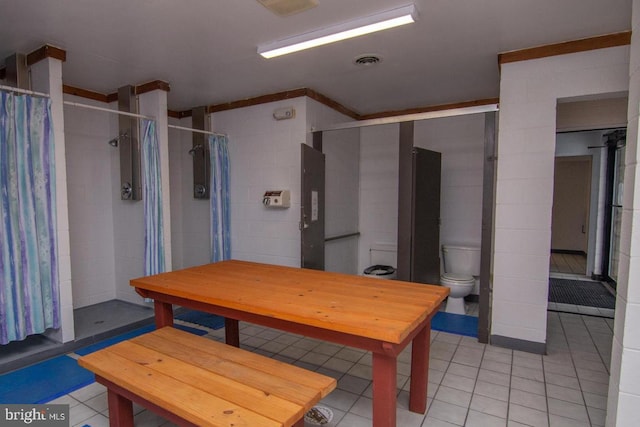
[29, 283]
[152, 188]
[219, 200]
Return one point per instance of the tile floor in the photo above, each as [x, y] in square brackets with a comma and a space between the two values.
[470, 384]
[568, 263]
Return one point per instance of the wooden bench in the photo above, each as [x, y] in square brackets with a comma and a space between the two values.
[195, 381]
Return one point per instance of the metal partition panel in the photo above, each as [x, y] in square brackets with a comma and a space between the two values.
[129, 144]
[486, 250]
[200, 154]
[425, 221]
[312, 208]
[405, 195]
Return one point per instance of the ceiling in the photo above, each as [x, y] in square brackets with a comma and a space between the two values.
[206, 49]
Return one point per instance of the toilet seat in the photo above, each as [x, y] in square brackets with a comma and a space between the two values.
[379, 270]
[457, 279]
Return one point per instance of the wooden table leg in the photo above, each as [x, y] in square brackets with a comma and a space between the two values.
[232, 332]
[164, 314]
[120, 410]
[384, 390]
[420, 370]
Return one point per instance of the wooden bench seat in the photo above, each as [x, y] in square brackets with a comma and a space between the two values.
[191, 380]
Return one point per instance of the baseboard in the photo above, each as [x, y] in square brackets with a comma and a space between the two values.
[517, 344]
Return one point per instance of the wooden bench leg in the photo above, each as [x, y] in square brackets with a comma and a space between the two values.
[232, 332]
[299, 423]
[120, 410]
[420, 371]
[384, 390]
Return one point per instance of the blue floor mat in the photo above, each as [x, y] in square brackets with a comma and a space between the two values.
[48, 380]
[127, 336]
[455, 324]
[44, 381]
[201, 318]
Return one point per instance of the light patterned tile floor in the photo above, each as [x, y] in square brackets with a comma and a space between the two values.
[470, 384]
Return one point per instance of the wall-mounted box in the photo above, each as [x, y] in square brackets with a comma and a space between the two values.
[277, 199]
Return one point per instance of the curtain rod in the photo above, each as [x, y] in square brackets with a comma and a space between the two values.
[25, 91]
[206, 132]
[109, 110]
[411, 117]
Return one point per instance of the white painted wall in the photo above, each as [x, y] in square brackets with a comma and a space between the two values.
[90, 161]
[461, 141]
[624, 383]
[379, 157]
[342, 202]
[529, 92]
[189, 216]
[264, 155]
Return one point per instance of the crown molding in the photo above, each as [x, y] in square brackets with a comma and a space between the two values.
[563, 48]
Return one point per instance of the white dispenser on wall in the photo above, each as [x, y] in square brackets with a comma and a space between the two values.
[277, 199]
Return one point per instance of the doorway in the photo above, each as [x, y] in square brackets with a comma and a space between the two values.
[570, 215]
[583, 224]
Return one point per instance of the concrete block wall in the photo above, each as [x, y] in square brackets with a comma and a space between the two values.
[90, 161]
[624, 382]
[264, 155]
[529, 93]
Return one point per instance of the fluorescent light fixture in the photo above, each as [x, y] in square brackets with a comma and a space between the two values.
[357, 27]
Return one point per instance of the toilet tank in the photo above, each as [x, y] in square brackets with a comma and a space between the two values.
[461, 259]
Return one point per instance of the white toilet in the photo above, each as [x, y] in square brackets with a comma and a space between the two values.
[461, 270]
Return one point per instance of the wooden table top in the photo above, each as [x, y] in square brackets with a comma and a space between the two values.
[384, 310]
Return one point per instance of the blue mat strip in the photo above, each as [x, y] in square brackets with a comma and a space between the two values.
[455, 324]
[201, 318]
[44, 381]
[127, 336]
[56, 377]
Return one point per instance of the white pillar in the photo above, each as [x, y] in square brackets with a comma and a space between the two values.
[624, 381]
[154, 104]
[46, 76]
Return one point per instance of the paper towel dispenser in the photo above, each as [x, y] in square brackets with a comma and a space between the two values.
[277, 199]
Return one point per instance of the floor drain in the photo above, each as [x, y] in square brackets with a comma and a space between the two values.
[318, 415]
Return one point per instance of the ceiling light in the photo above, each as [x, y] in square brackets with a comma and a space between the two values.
[357, 27]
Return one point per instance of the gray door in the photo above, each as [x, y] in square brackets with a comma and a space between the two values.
[312, 209]
[425, 222]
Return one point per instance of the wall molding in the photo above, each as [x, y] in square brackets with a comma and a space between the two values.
[563, 48]
[46, 51]
[112, 97]
[84, 93]
[151, 86]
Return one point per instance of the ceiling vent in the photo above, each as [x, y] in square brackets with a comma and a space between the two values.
[367, 60]
[288, 7]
